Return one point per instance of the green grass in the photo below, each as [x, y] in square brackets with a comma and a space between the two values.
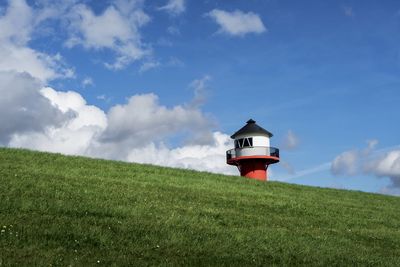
[73, 211]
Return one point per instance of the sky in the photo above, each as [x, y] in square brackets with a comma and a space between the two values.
[167, 82]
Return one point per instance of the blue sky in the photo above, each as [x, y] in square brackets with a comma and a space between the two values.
[167, 82]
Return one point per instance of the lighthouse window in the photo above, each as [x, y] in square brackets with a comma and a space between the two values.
[244, 142]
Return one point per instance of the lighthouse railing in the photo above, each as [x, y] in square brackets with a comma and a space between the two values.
[252, 151]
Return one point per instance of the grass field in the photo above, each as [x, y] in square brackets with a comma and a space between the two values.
[73, 211]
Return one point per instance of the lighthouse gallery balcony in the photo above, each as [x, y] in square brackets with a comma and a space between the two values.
[269, 153]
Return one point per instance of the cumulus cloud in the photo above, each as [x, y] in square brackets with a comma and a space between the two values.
[352, 162]
[23, 108]
[141, 130]
[387, 165]
[116, 29]
[174, 7]
[40, 65]
[72, 137]
[381, 163]
[135, 132]
[17, 24]
[346, 163]
[198, 157]
[143, 120]
[237, 23]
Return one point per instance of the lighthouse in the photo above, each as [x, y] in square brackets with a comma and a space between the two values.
[252, 153]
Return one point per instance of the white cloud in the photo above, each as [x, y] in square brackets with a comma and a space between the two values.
[17, 24]
[200, 90]
[381, 163]
[387, 165]
[143, 120]
[198, 157]
[352, 162]
[117, 29]
[237, 23]
[346, 163]
[40, 65]
[290, 141]
[23, 108]
[174, 7]
[72, 137]
[88, 81]
[86, 115]
[135, 131]
[148, 66]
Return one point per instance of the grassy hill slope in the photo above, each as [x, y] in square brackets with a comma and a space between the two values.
[74, 211]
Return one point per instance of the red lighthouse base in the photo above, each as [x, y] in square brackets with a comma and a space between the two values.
[254, 169]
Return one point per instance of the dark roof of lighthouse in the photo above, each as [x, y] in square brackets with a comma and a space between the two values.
[251, 128]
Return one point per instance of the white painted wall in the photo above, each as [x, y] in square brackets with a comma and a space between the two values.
[252, 151]
[260, 141]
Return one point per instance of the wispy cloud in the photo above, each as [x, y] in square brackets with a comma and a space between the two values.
[237, 23]
[290, 141]
[148, 66]
[174, 7]
[173, 30]
[175, 62]
[316, 169]
[200, 90]
[88, 81]
[348, 11]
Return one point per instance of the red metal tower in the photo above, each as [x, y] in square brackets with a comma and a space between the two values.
[252, 153]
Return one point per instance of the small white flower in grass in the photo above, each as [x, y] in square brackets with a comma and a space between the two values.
[98, 261]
